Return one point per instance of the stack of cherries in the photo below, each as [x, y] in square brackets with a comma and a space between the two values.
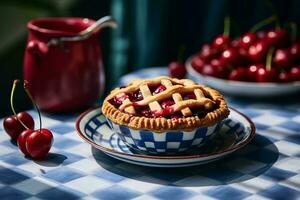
[20, 127]
[257, 56]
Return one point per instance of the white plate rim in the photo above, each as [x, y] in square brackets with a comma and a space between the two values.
[155, 157]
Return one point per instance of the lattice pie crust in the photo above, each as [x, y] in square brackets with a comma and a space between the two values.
[205, 98]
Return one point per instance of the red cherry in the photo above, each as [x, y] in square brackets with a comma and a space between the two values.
[278, 38]
[177, 69]
[216, 71]
[295, 51]
[235, 43]
[209, 70]
[38, 143]
[264, 75]
[284, 77]
[221, 42]
[22, 141]
[220, 68]
[207, 52]
[261, 34]
[239, 74]
[247, 40]
[243, 56]
[252, 71]
[230, 56]
[282, 58]
[294, 74]
[217, 62]
[14, 128]
[197, 63]
[258, 51]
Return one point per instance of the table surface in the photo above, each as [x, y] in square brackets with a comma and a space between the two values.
[267, 168]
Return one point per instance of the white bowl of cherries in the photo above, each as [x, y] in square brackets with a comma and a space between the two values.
[259, 64]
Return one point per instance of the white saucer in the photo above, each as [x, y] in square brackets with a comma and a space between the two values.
[236, 131]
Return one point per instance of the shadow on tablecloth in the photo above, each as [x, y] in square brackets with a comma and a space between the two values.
[249, 162]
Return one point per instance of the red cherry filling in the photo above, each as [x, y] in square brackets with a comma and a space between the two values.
[175, 116]
[166, 105]
[121, 98]
[166, 112]
[114, 103]
[189, 96]
[118, 100]
[135, 96]
[146, 113]
[159, 89]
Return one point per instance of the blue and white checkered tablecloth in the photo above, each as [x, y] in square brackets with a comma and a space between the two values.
[73, 169]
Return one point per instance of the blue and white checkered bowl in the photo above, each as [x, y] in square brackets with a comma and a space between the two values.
[171, 142]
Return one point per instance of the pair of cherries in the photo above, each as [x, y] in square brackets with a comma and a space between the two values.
[20, 127]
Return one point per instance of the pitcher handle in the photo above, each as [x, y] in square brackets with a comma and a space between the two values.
[106, 21]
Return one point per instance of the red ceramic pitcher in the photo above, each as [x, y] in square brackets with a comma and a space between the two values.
[63, 62]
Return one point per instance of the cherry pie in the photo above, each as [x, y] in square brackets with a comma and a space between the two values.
[163, 103]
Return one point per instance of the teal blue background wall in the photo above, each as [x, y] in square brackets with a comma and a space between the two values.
[149, 33]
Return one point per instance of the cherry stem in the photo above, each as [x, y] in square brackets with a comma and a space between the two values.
[275, 11]
[12, 102]
[263, 23]
[226, 26]
[277, 25]
[294, 30]
[269, 58]
[180, 55]
[33, 102]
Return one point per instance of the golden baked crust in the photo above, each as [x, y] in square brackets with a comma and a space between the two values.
[162, 124]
